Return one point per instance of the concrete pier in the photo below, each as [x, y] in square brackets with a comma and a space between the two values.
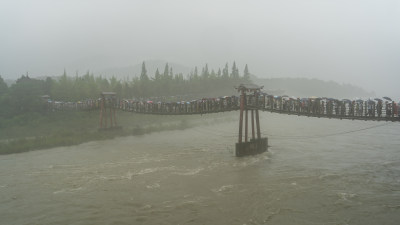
[253, 147]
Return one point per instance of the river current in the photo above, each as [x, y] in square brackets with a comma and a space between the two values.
[317, 171]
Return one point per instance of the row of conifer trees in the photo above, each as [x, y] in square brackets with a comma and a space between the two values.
[24, 94]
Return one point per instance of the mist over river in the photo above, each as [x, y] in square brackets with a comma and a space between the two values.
[317, 171]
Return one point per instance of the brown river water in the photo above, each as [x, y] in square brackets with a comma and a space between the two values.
[317, 171]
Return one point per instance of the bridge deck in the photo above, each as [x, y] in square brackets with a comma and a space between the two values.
[330, 116]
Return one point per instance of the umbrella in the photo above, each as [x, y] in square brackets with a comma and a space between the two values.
[284, 96]
[304, 99]
[387, 98]
[359, 100]
[377, 99]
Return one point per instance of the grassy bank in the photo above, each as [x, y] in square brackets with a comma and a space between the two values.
[32, 132]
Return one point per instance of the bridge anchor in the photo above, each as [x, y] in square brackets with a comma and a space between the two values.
[257, 144]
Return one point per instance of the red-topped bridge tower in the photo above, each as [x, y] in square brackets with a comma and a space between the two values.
[249, 102]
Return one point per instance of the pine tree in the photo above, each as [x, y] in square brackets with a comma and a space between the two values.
[191, 75]
[235, 71]
[213, 74]
[62, 91]
[205, 74]
[219, 73]
[246, 73]
[196, 73]
[143, 74]
[166, 70]
[157, 76]
[3, 87]
[225, 72]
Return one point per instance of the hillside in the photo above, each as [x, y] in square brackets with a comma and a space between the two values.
[304, 87]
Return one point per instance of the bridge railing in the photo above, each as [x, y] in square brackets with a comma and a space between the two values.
[307, 107]
[317, 107]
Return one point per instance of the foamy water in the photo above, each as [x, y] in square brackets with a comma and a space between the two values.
[317, 171]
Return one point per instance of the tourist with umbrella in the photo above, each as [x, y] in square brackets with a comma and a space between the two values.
[398, 109]
[387, 98]
[371, 105]
[379, 108]
[394, 108]
[388, 109]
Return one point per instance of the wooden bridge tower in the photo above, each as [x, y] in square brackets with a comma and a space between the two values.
[107, 103]
[250, 102]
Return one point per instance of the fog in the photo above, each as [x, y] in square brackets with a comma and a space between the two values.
[347, 41]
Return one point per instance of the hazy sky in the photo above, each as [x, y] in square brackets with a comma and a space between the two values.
[348, 41]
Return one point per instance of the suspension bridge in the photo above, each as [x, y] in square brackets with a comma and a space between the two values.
[250, 102]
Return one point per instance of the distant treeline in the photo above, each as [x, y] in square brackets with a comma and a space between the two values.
[25, 95]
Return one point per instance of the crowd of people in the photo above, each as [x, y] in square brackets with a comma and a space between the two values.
[313, 106]
[205, 105]
[88, 104]
[334, 107]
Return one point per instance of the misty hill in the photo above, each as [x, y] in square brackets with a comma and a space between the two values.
[151, 67]
[304, 87]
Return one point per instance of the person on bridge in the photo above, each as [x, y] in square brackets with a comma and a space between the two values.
[351, 108]
[379, 108]
[387, 108]
[370, 109]
[394, 107]
[361, 108]
[337, 105]
[343, 108]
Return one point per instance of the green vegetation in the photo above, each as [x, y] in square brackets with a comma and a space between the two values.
[71, 128]
[24, 96]
[26, 124]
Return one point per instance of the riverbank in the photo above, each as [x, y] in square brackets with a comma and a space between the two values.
[33, 132]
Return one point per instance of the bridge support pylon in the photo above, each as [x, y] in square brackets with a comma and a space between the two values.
[250, 102]
[107, 103]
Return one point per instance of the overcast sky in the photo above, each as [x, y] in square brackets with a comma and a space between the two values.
[348, 41]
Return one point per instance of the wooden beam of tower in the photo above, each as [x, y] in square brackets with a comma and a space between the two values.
[246, 122]
[101, 113]
[253, 136]
[242, 96]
